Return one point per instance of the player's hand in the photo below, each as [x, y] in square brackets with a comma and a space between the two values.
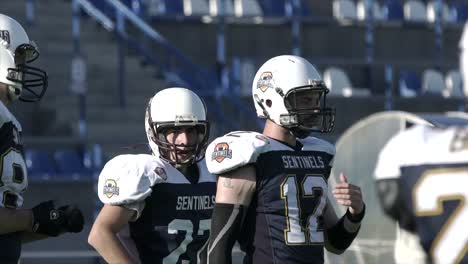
[52, 221]
[349, 195]
[47, 219]
[74, 218]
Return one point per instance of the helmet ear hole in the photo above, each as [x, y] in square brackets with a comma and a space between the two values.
[269, 103]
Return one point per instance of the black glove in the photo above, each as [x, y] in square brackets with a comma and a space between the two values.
[74, 218]
[47, 219]
[53, 221]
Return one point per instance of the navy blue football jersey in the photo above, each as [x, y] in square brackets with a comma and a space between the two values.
[173, 212]
[431, 166]
[284, 223]
[438, 208]
[13, 179]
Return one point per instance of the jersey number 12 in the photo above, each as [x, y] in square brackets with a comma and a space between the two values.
[312, 186]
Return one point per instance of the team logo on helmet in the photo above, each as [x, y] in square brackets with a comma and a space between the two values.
[5, 36]
[161, 172]
[265, 81]
[221, 152]
[110, 188]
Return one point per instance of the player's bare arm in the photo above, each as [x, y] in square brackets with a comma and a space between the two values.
[103, 235]
[340, 233]
[234, 193]
[236, 187]
[12, 220]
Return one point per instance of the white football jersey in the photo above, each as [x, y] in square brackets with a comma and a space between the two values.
[14, 177]
[419, 145]
[127, 180]
[239, 148]
[463, 44]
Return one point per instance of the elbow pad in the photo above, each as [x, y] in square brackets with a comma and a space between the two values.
[226, 224]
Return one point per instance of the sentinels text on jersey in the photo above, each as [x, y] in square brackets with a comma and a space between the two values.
[432, 175]
[284, 223]
[13, 178]
[173, 214]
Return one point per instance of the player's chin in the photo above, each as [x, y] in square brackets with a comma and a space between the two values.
[183, 157]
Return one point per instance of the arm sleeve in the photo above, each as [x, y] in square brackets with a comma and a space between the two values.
[226, 224]
[340, 236]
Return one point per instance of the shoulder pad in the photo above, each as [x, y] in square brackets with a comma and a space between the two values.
[235, 150]
[396, 151]
[6, 116]
[127, 179]
[317, 144]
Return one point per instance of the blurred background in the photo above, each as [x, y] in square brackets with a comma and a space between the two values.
[106, 58]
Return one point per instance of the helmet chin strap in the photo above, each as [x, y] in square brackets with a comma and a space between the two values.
[299, 133]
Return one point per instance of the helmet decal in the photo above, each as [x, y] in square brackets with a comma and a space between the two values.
[5, 37]
[265, 81]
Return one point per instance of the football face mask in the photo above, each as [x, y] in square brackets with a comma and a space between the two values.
[32, 80]
[307, 111]
[181, 145]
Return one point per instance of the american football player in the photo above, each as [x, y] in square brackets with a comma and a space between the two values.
[21, 81]
[272, 187]
[421, 179]
[165, 198]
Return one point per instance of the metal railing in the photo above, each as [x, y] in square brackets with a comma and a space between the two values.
[175, 67]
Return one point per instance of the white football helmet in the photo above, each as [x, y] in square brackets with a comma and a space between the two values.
[14, 39]
[9, 75]
[176, 107]
[277, 89]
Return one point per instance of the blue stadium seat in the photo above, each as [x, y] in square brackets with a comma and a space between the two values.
[392, 10]
[70, 164]
[461, 12]
[39, 164]
[273, 8]
[249, 8]
[93, 159]
[410, 84]
[305, 9]
[174, 7]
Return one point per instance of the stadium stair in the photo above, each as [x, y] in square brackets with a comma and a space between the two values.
[108, 124]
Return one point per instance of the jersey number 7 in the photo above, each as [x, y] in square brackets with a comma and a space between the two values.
[434, 187]
[186, 226]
